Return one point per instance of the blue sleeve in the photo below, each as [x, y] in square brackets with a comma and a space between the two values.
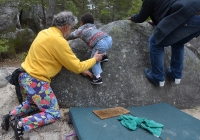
[73, 35]
[77, 33]
[145, 11]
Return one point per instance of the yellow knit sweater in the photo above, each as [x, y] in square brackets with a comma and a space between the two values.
[49, 52]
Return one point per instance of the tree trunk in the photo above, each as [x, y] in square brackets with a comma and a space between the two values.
[44, 15]
[50, 12]
[62, 5]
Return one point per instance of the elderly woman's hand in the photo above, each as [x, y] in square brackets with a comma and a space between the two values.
[87, 73]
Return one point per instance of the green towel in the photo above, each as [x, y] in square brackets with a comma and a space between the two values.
[133, 123]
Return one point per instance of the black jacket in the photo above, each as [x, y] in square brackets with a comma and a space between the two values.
[167, 15]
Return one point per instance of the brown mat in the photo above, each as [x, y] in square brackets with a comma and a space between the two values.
[110, 112]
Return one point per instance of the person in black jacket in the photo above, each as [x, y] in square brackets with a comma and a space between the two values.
[176, 22]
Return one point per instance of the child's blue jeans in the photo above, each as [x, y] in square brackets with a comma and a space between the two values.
[102, 46]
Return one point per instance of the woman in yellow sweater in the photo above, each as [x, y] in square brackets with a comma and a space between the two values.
[48, 53]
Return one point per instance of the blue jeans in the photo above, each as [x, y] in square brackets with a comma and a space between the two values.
[181, 35]
[102, 46]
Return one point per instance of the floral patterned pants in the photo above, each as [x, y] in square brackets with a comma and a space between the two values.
[39, 97]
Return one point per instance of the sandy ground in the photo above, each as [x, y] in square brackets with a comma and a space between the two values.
[56, 131]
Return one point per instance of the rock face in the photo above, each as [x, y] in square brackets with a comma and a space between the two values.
[8, 18]
[32, 18]
[124, 82]
[3, 74]
[194, 46]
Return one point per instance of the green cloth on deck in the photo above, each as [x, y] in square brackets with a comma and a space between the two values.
[133, 123]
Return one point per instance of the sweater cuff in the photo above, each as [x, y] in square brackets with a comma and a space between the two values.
[94, 60]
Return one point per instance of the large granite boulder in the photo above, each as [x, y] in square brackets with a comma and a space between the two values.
[32, 18]
[3, 74]
[8, 17]
[194, 46]
[124, 82]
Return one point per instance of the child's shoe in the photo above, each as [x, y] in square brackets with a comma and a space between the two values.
[96, 81]
[104, 58]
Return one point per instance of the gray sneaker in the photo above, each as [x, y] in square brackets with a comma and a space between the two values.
[172, 77]
[152, 80]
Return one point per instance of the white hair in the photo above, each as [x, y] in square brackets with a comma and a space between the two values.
[63, 18]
